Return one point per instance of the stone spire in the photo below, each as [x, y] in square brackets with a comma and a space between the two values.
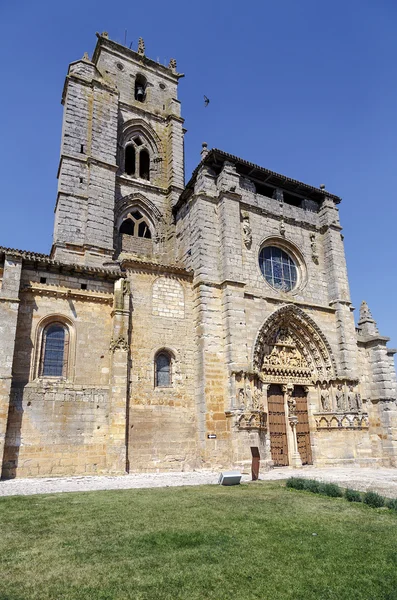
[366, 323]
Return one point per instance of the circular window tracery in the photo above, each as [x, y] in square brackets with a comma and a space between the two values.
[278, 268]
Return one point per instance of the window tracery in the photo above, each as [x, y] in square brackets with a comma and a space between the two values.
[136, 225]
[137, 158]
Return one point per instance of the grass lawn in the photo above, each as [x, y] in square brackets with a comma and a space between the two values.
[244, 542]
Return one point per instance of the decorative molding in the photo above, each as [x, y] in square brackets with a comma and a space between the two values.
[326, 421]
[248, 420]
[290, 346]
[119, 343]
[62, 292]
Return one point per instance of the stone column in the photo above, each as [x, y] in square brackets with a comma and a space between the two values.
[294, 458]
[119, 348]
[9, 306]
[338, 287]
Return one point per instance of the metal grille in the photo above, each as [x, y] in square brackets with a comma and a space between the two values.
[277, 426]
[302, 427]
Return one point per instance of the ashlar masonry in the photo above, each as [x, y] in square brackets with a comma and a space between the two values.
[175, 326]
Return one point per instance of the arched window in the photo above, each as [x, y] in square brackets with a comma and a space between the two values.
[137, 159]
[144, 164]
[162, 366]
[127, 227]
[136, 225]
[130, 159]
[54, 351]
[140, 88]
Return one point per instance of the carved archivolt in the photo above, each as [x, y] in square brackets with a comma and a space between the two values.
[290, 346]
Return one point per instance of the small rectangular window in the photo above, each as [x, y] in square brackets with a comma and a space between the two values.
[83, 286]
[43, 279]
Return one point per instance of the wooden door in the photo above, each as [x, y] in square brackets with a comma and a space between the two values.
[302, 427]
[277, 426]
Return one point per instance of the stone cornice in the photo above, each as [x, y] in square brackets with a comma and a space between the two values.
[121, 51]
[136, 264]
[249, 293]
[149, 114]
[63, 292]
[88, 160]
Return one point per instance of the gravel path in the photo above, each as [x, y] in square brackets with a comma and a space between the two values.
[383, 481]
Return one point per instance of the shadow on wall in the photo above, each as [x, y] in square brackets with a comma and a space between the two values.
[21, 371]
[13, 434]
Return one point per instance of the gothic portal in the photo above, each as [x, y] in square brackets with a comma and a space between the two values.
[175, 326]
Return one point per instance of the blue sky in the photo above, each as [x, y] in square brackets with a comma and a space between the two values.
[307, 88]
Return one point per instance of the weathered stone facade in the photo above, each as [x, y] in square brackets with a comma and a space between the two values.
[158, 334]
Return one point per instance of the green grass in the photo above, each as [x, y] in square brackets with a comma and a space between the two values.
[244, 542]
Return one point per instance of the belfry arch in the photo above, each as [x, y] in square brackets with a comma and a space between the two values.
[291, 348]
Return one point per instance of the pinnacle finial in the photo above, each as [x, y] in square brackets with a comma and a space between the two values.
[204, 150]
[366, 323]
[86, 57]
[141, 46]
[365, 313]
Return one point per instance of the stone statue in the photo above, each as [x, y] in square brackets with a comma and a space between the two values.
[248, 395]
[325, 398]
[291, 405]
[247, 232]
[172, 64]
[351, 399]
[340, 398]
[241, 398]
[313, 246]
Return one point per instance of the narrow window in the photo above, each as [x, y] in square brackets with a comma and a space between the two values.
[129, 162]
[54, 350]
[127, 227]
[140, 88]
[144, 164]
[144, 231]
[163, 370]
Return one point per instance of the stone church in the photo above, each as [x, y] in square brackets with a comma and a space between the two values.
[180, 326]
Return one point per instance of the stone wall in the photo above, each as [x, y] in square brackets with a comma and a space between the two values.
[162, 425]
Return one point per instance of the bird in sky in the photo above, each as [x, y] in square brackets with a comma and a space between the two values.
[206, 100]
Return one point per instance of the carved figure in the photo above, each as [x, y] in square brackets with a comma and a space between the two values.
[291, 405]
[359, 402]
[325, 398]
[282, 228]
[351, 399]
[340, 398]
[126, 286]
[248, 395]
[241, 398]
[247, 232]
[314, 247]
[172, 63]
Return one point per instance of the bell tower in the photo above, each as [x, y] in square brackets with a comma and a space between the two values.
[122, 165]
